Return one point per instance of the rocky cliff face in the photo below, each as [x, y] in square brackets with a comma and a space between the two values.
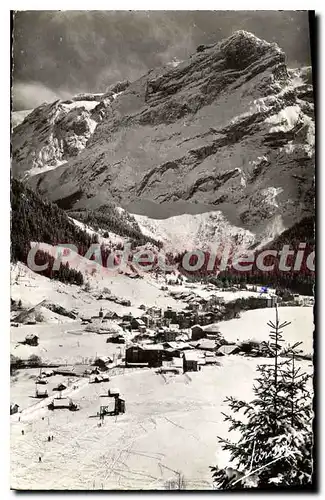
[231, 128]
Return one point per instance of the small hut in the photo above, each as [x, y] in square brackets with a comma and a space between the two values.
[31, 339]
[14, 408]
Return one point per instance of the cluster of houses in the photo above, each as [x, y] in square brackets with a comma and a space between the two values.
[106, 295]
[202, 346]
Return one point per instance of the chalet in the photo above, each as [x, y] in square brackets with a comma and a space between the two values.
[228, 349]
[86, 320]
[194, 305]
[267, 300]
[185, 319]
[40, 392]
[206, 345]
[183, 337]
[116, 339]
[111, 315]
[31, 339]
[107, 406]
[89, 371]
[63, 404]
[126, 325]
[212, 332]
[166, 334]
[155, 312]
[170, 335]
[205, 317]
[190, 361]
[95, 379]
[297, 298]
[175, 349]
[127, 317]
[138, 324]
[113, 391]
[150, 355]
[124, 302]
[211, 359]
[14, 408]
[60, 387]
[41, 380]
[170, 314]
[102, 362]
[120, 407]
[111, 404]
[111, 328]
[212, 329]
[148, 320]
[75, 370]
[197, 332]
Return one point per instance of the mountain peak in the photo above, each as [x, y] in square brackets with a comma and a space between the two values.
[243, 47]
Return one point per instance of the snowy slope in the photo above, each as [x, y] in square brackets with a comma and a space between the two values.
[170, 428]
[32, 288]
[209, 230]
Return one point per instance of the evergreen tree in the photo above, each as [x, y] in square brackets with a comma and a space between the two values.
[275, 444]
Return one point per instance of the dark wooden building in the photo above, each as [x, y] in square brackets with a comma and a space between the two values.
[150, 354]
[190, 362]
[197, 332]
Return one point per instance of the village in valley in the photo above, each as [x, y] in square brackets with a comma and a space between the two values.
[120, 374]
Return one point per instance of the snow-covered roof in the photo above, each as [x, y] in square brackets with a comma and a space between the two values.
[153, 347]
[191, 356]
[178, 345]
[104, 359]
[228, 349]
[206, 344]
[197, 326]
[214, 327]
[114, 390]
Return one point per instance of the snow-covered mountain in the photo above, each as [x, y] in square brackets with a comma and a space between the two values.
[48, 136]
[231, 128]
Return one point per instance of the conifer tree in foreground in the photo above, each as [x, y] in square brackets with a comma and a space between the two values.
[275, 428]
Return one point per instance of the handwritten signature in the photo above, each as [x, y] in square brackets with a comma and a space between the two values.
[277, 453]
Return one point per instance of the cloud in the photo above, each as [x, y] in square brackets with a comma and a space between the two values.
[32, 94]
[86, 51]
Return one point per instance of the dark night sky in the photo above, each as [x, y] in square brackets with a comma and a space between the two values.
[57, 54]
